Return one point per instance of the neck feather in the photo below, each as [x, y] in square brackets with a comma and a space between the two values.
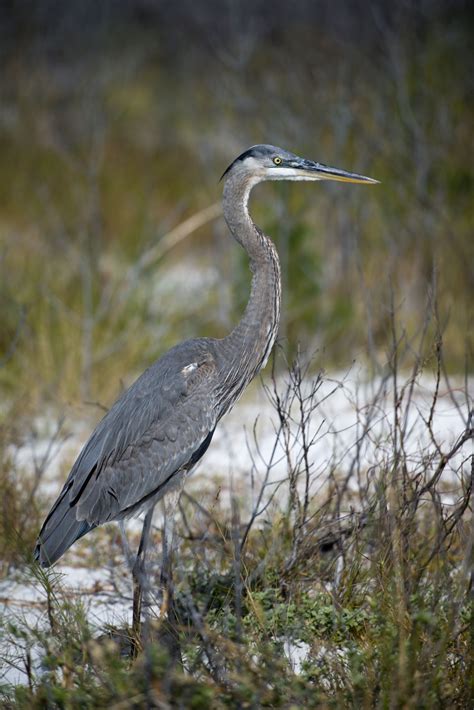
[251, 341]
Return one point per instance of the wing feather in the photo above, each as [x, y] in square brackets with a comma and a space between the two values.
[153, 433]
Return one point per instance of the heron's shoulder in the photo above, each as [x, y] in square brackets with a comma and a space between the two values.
[171, 376]
[180, 360]
[196, 347]
[178, 379]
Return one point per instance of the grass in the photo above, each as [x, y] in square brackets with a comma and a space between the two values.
[370, 578]
[109, 142]
[101, 157]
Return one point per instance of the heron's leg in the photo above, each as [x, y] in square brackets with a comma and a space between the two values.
[166, 577]
[126, 547]
[169, 631]
[140, 581]
[169, 505]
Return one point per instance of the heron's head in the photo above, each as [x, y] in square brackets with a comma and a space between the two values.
[267, 162]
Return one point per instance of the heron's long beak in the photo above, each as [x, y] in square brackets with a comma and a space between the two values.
[308, 170]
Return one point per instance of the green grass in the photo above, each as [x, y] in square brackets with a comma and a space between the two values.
[394, 631]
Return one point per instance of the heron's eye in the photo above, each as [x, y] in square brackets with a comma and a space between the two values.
[277, 160]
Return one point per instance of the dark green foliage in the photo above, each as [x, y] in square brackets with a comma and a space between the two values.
[361, 652]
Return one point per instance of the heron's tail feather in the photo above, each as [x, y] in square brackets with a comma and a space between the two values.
[60, 530]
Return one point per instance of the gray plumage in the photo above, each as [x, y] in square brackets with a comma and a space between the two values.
[161, 426]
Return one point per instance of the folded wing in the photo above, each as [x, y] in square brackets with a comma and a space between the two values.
[145, 444]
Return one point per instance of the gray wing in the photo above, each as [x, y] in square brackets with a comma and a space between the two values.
[157, 429]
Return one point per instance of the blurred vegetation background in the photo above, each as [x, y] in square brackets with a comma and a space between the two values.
[116, 121]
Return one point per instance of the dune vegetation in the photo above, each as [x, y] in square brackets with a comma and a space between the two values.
[116, 122]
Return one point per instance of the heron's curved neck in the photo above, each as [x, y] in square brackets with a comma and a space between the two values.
[252, 339]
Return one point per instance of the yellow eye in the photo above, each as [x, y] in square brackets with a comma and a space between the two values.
[277, 160]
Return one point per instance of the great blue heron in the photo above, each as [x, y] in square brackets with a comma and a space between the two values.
[159, 428]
